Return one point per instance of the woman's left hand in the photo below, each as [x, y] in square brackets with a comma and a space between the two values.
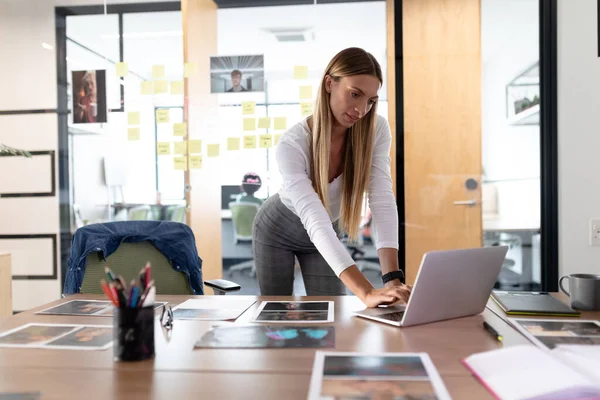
[405, 289]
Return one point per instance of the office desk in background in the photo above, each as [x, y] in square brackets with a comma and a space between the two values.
[179, 371]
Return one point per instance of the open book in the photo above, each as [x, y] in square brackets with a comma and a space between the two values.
[527, 372]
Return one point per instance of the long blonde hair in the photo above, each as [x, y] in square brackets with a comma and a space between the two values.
[358, 151]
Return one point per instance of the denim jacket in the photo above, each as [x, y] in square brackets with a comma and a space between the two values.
[174, 240]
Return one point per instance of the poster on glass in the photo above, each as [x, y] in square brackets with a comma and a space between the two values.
[89, 97]
[236, 74]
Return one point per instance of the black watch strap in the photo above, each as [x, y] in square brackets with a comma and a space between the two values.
[393, 275]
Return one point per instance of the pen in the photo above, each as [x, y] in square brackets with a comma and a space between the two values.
[111, 275]
[491, 330]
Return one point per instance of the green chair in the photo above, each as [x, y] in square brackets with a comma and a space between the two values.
[242, 215]
[128, 260]
[139, 213]
[178, 214]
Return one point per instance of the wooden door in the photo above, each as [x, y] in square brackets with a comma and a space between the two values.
[442, 125]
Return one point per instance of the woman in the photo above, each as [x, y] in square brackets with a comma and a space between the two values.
[251, 183]
[328, 161]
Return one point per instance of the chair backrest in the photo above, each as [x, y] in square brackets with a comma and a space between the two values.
[242, 215]
[139, 213]
[178, 214]
[127, 261]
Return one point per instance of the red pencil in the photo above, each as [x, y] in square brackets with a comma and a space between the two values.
[148, 276]
[107, 291]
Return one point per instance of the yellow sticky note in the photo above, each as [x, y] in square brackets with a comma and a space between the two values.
[306, 108]
[249, 124]
[276, 138]
[163, 148]
[189, 69]
[280, 123]
[300, 72]
[264, 123]
[180, 163]
[179, 129]
[133, 118]
[248, 107]
[162, 116]
[158, 71]
[266, 141]
[195, 162]
[180, 147]
[133, 134]
[195, 146]
[233, 143]
[160, 87]
[305, 92]
[122, 68]
[146, 87]
[177, 87]
[212, 150]
[250, 141]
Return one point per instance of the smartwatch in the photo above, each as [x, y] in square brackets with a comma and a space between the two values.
[393, 275]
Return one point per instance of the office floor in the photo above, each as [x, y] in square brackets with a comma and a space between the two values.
[250, 284]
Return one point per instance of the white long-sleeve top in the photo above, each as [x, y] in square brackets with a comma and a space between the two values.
[298, 195]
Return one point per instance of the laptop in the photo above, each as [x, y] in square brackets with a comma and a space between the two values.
[450, 284]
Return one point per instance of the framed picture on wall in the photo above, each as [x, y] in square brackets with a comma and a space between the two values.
[89, 96]
[236, 74]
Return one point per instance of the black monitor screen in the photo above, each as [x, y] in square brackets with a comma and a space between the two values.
[228, 194]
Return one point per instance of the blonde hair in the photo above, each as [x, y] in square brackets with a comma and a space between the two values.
[358, 151]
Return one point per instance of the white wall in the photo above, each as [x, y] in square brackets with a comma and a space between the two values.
[28, 81]
[509, 45]
[578, 137]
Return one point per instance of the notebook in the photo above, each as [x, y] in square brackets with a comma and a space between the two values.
[532, 303]
[529, 373]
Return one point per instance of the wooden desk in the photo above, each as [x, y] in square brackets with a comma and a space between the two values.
[276, 373]
[5, 285]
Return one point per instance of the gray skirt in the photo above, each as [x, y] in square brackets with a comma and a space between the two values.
[278, 238]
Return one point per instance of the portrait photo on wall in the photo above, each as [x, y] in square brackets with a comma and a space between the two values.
[235, 74]
[89, 96]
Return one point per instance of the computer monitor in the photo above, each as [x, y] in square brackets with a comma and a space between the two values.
[228, 194]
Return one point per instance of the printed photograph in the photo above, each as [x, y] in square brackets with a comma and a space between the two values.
[399, 367]
[560, 328]
[237, 74]
[296, 306]
[378, 389]
[34, 334]
[293, 316]
[80, 307]
[268, 337]
[86, 337]
[89, 96]
[553, 341]
[206, 314]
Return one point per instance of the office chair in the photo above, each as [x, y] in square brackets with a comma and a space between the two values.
[129, 258]
[139, 213]
[242, 215]
[357, 253]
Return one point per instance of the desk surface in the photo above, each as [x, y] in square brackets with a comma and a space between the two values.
[180, 371]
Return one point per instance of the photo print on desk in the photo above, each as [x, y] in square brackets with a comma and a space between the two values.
[295, 312]
[97, 308]
[548, 333]
[263, 336]
[59, 336]
[89, 96]
[387, 376]
[209, 309]
[237, 74]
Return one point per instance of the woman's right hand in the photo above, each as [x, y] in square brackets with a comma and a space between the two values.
[386, 295]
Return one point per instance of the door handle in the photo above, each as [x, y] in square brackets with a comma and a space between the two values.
[472, 202]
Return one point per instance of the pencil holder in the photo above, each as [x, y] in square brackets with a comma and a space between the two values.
[133, 333]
